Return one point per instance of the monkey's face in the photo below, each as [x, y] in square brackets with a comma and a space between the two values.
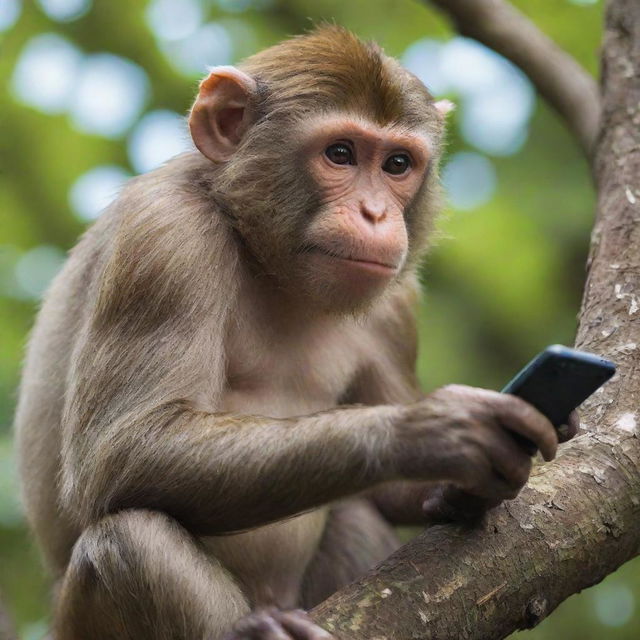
[367, 175]
[331, 201]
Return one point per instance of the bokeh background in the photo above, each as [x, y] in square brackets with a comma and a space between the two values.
[92, 92]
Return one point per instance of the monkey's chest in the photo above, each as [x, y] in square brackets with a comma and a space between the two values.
[282, 377]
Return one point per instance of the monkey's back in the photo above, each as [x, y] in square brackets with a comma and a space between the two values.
[43, 390]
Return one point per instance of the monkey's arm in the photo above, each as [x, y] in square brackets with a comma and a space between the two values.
[220, 473]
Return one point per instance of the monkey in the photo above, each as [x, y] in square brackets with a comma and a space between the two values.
[219, 419]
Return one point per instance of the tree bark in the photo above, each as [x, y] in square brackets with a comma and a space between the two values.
[577, 520]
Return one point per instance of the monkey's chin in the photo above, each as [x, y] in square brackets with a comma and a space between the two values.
[346, 285]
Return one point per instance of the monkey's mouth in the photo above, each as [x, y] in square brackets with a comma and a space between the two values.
[367, 263]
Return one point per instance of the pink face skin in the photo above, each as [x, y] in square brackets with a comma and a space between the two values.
[368, 175]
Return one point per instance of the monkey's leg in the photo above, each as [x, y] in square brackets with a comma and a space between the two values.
[138, 575]
[355, 539]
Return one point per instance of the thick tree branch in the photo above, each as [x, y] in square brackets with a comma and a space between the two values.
[577, 520]
[559, 79]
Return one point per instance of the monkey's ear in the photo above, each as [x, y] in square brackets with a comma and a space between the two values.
[444, 107]
[220, 115]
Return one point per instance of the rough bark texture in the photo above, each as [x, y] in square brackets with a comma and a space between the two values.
[579, 518]
[557, 76]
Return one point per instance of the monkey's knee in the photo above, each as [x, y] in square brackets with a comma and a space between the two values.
[138, 575]
[106, 569]
[112, 551]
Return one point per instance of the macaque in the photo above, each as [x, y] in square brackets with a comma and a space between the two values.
[219, 419]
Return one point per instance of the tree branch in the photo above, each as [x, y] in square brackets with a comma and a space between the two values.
[559, 79]
[577, 519]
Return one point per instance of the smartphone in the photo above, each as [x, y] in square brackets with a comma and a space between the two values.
[560, 379]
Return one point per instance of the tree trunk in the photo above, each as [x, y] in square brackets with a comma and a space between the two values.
[577, 520]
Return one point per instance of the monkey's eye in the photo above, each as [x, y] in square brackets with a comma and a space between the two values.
[397, 164]
[339, 153]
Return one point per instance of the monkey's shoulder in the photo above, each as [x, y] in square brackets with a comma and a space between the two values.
[298, 373]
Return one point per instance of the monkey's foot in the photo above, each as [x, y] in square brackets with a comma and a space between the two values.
[272, 624]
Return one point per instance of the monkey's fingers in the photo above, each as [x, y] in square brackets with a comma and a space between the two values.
[300, 626]
[272, 624]
[259, 625]
[526, 421]
[567, 431]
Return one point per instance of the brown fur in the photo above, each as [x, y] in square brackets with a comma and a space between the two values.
[180, 428]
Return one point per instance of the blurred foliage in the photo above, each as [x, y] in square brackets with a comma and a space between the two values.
[504, 278]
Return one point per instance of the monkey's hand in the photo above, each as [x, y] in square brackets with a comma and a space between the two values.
[273, 624]
[449, 503]
[465, 436]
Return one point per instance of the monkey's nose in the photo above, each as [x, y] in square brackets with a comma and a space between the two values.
[373, 211]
